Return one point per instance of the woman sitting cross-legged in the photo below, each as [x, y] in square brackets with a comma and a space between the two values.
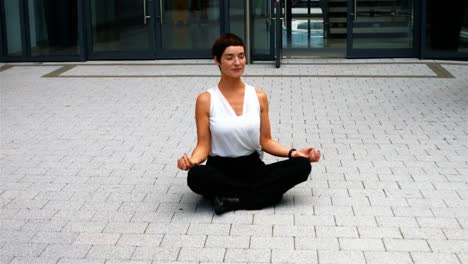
[233, 130]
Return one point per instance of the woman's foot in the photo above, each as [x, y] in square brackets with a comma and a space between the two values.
[225, 204]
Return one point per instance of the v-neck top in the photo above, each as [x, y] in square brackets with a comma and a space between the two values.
[234, 135]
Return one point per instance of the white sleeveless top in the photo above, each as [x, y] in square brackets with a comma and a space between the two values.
[233, 135]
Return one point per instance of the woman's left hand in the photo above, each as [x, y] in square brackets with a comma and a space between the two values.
[312, 154]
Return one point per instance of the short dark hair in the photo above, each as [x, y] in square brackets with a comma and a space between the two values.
[224, 41]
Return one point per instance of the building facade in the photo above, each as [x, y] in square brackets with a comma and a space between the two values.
[82, 30]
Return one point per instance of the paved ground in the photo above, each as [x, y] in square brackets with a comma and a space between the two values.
[88, 172]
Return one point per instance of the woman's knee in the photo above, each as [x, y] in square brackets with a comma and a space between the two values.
[303, 167]
[193, 178]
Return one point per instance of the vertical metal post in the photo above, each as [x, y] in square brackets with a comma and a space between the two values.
[278, 33]
[247, 26]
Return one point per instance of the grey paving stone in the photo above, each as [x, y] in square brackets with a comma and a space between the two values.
[34, 260]
[251, 230]
[364, 244]
[189, 241]
[86, 238]
[16, 249]
[316, 243]
[11, 224]
[373, 210]
[463, 257]
[368, 221]
[44, 225]
[379, 232]
[110, 252]
[125, 227]
[338, 231]
[334, 210]
[115, 216]
[388, 257]
[272, 242]
[227, 242]
[233, 219]
[448, 246]
[85, 226]
[341, 257]
[156, 254]
[150, 217]
[388, 221]
[140, 240]
[192, 217]
[294, 231]
[248, 255]
[273, 220]
[307, 220]
[54, 237]
[209, 229]
[15, 236]
[438, 222]
[68, 251]
[418, 245]
[202, 254]
[83, 156]
[34, 214]
[6, 259]
[128, 262]
[168, 228]
[294, 256]
[434, 258]
[460, 234]
[422, 233]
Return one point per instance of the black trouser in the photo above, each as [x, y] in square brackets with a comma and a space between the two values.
[248, 178]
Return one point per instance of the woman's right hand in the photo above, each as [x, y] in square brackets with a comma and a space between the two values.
[184, 163]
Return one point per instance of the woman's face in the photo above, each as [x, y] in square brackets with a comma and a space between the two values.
[232, 62]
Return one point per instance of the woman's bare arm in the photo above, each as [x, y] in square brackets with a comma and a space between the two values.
[202, 149]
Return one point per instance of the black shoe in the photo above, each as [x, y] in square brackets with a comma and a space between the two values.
[225, 204]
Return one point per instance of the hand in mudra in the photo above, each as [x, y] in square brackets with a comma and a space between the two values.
[312, 154]
[184, 163]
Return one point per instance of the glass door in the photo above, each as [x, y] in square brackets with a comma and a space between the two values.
[121, 29]
[263, 24]
[12, 24]
[186, 28]
[383, 28]
[46, 30]
[314, 27]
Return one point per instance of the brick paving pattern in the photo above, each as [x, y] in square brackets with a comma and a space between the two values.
[88, 164]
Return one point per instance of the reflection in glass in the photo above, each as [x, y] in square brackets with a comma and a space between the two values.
[261, 27]
[303, 26]
[447, 27]
[119, 25]
[13, 28]
[54, 27]
[314, 25]
[236, 18]
[189, 25]
[383, 24]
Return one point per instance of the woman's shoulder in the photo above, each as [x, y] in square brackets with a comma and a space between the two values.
[260, 94]
[204, 98]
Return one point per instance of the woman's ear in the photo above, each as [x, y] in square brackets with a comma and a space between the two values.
[216, 61]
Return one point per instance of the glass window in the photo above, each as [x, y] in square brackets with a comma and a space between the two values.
[447, 26]
[13, 28]
[236, 18]
[261, 27]
[119, 25]
[189, 25]
[383, 24]
[53, 27]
